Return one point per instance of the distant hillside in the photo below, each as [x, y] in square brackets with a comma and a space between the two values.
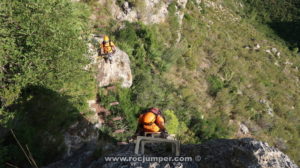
[221, 67]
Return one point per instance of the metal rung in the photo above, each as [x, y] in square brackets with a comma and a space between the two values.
[153, 134]
[142, 140]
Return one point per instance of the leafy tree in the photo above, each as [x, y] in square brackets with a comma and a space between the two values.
[41, 43]
[42, 78]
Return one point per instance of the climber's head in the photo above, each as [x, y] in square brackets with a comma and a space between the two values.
[155, 110]
[105, 39]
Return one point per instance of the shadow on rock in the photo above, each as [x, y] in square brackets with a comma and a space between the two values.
[49, 124]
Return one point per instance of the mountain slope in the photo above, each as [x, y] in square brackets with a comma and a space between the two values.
[218, 68]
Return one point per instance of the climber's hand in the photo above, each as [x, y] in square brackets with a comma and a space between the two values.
[164, 134]
[132, 139]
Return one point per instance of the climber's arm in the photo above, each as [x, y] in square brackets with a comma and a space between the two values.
[160, 123]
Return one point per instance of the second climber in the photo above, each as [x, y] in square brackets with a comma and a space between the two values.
[107, 49]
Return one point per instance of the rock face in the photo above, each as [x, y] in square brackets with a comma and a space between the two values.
[243, 129]
[149, 12]
[244, 152]
[117, 72]
[80, 134]
[146, 11]
[222, 153]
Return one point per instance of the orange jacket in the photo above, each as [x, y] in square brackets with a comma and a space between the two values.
[108, 47]
[156, 126]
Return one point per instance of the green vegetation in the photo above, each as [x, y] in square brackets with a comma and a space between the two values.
[126, 109]
[282, 16]
[269, 10]
[151, 59]
[205, 83]
[209, 80]
[43, 84]
[215, 85]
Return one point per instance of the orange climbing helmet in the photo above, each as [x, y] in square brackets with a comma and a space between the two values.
[149, 118]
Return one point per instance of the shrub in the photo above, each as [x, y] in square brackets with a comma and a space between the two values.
[126, 108]
[173, 22]
[215, 85]
[179, 128]
[40, 47]
[212, 128]
[43, 83]
[172, 123]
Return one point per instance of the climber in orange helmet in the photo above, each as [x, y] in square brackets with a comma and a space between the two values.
[151, 121]
[108, 48]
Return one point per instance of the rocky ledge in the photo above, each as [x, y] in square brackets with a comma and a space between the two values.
[221, 153]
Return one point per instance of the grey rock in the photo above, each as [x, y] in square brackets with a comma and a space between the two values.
[79, 160]
[80, 134]
[269, 51]
[247, 47]
[244, 152]
[117, 72]
[148, 12]
[244, 129]
[274, 50]
[220, 153]
[256, 47]
[278, 54]
[126, 8]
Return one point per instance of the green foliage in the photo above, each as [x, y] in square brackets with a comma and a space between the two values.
[172, 122]
[208, 78]
[42, 51]
[215, 84]
[282, 16]
[129, 109]
[126, 109]
[38, 46]
[150, 60]
[179, 128]
[173, 21]
[212, 128]
[146, 53]
[274, 10]
[142, 45]
[44, 86]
